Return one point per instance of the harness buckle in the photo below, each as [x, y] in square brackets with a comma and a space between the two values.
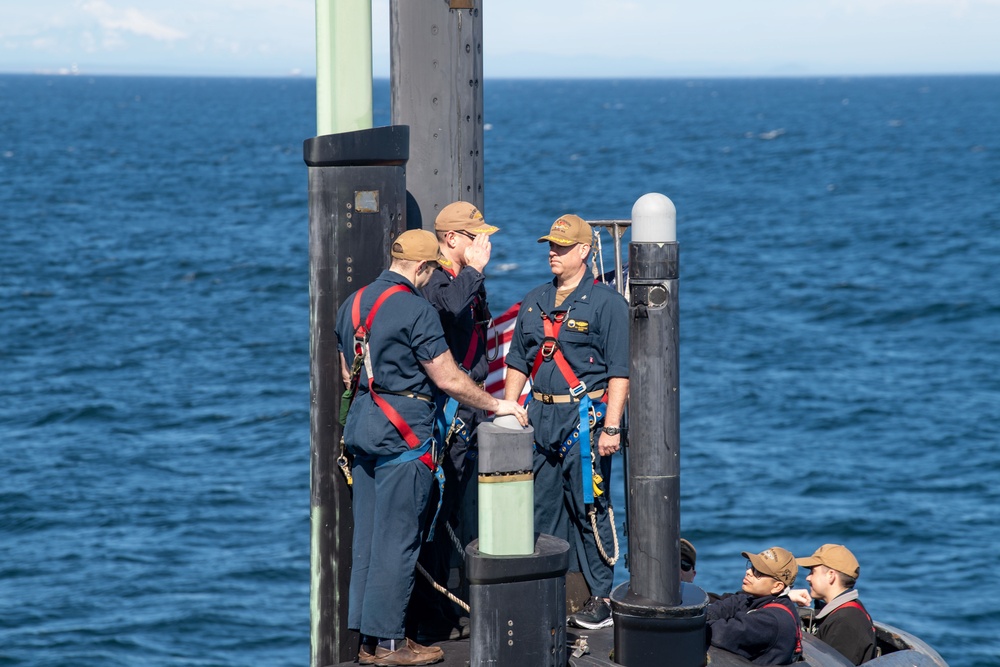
[548, 347]
[578, 390]
[548, 399]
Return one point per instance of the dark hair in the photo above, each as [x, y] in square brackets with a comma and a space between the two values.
[846, 580]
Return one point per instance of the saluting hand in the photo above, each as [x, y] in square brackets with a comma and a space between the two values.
[477, 255]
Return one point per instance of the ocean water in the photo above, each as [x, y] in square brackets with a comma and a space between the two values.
[840, 340]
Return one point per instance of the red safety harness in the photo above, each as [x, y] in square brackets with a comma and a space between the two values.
[361, 335]
[795, 618]
[549, 349]
[856, 605]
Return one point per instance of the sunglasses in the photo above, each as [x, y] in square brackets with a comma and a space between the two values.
[687, 565]
[757, 574]
[466, 234]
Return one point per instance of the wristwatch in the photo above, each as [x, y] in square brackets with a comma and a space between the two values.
[612, 430]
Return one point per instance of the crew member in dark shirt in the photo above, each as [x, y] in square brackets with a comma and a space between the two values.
[760, 623]
[457, 291]
[841, 620]
[389, 433]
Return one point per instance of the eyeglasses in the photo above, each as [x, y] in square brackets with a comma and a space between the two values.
[687, 565]
[466, 234]
[757, 574]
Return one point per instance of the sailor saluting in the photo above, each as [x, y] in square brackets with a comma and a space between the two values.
[457, 291]
[401, 361]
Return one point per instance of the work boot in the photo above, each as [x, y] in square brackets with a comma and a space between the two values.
[407, 653]
[595, 614]
[366, 658]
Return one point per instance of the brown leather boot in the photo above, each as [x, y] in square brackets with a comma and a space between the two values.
[366, 658]
[409, 653]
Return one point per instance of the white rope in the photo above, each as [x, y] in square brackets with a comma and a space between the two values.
[441, 589]
[598, 252]
[457, 543]
[597, 535]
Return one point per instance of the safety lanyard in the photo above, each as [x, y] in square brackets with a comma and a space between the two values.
[361, 337]
[798, 630]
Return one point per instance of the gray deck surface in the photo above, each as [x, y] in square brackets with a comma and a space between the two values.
[600, 642]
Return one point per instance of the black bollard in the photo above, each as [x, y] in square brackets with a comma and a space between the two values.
[657, 620]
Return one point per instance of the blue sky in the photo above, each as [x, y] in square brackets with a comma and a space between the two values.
[615, 38]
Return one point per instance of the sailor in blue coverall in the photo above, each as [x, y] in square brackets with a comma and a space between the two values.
[760, 623]
[409, 359]
[592, 335]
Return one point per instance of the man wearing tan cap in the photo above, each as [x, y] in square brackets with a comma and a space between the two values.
[841, 620]
[689, 556]
[760, 623]
[571, 339]
[458, 294]
[401, 361]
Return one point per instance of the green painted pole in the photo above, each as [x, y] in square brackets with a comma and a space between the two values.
[343, 66]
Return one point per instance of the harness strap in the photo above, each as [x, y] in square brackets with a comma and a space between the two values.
[856, 605]
[798, 630]
[361, 336]
[549, 349]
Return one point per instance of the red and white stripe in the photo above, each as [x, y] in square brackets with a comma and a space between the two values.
[498, 343]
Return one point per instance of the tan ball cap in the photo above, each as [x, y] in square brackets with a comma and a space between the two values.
[688, 551]
[776, 562]
[418, 245]
[462, 217]
[834, 556]
[569, 230]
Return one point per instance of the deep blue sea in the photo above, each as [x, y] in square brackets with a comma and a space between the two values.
[840, 340]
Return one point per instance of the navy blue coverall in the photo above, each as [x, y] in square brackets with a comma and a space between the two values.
[594, 340]
[739, 624]
[390, 500]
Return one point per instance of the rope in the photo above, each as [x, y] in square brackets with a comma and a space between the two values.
[441, 589]
[457, 543]
[598, 251]
[597, 535]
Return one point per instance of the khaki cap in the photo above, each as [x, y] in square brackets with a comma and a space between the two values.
[462, 216]
[418, 245]
[688, 551]
[569, 230]
[834, 556]
[776, 562]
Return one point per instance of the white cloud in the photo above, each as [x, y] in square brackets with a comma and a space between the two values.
[130, 20]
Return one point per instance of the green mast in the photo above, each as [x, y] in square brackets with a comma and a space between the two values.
[343, 66]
